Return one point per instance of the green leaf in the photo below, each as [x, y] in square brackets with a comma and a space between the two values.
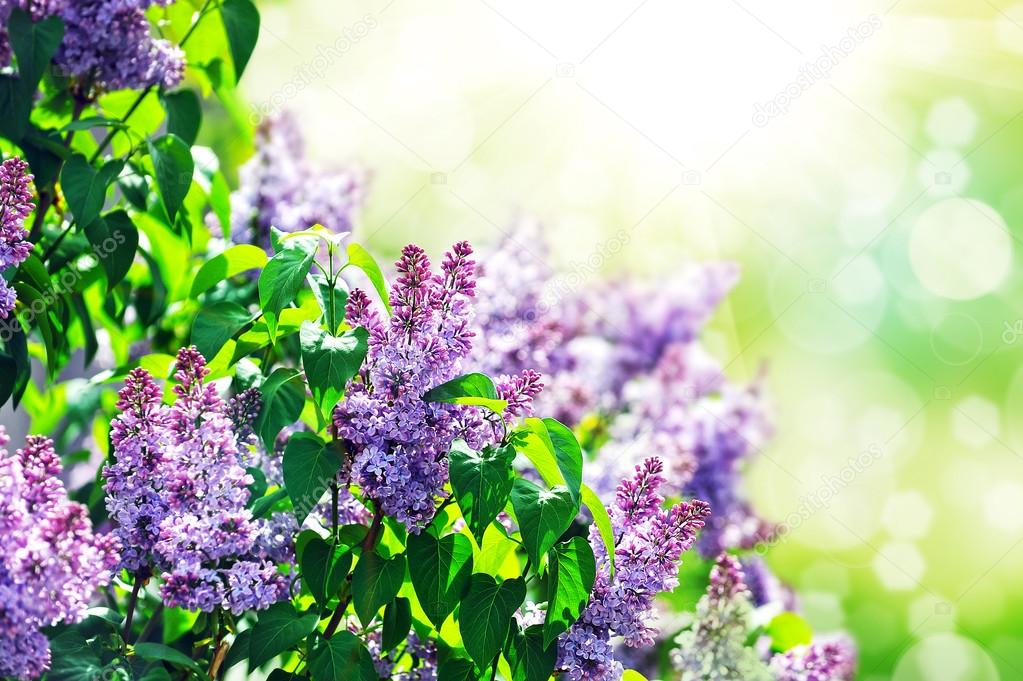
[632, 675]
[283, 276]
[333, 306]
[457, 669]
[530, 657]
[361, 258]
[73, 658]
[34, 43]
[241, 22]
[486, 613]
[471, 389]
[324, 568]
[572, 569]
[788, 630]
[184, 114]
[85, 187]
[115, 241]
[91, 122]
[309, 467]
[174, 168]
[162, 653]
[397, 623]
[342, 657]
[262, 506]
[603, 522]
[230, 263]
[215, 324]
[543, 515]
[330, 362]
[567, 453]
[440, 570]
[279, 628]
[375, 582]
[481, 482]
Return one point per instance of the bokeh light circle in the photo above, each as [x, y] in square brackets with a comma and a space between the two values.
[946, 657]
[960, 249]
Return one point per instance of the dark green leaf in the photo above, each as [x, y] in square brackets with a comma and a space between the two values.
[361, 258]
[279, 628]
[73, 658]
[174, 167]
[440, 570]
[88, 334]
[342, 657]
[543, 515]
[375, 582]
[93, 122]
[530, 658]
[241, 21]
[34, 43]
[215, 324]
[162, 653]
[231, 262]
[486, 613]
[85, 187]
[309, 467]
[324, 568]
[481, 482]
[457, 669]
[283, 398]
[115, 240]
[283, 276]
[397, 623]
[262, 506]
[184, 114]
[471, 389]
[572, 570]
[330, 362]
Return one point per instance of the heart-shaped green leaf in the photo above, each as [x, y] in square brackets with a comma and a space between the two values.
[375, 583]
[309, 467]
[279, 628]
[342, 657]
[330, 362]
[486, 614]
[481, 482]
[543, 515]
[572, 571]
[440, 570]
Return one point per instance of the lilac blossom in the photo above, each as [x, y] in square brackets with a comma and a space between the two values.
[15, 205]
[178, 491]
[714, 648]
[416, 660]
[108, 42]
[279, 187]
[399, 441]
[649, 542]
[52, 563]
[833, 660]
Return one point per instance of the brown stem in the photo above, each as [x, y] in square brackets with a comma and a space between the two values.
[367, 545]
[218, 658]
[131, 607]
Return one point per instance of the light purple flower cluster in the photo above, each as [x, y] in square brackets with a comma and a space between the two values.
[649, 542]
[833, 660]
[51, 563]
[15, 205]
[194, 528]
[280, 187]
[108, 42]
[400, 441]
[715, 647]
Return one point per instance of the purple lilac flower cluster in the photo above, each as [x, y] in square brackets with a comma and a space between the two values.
[833, 660]
[399, 441]
[51, 563]
[15, 205]
[279, 187]
[106, 41]
[177, 489]
[630, 353]
[649, 542]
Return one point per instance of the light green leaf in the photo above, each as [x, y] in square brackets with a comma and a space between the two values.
[216, 324]
[471, 389]
[85, 187]
[603, 522]
[230, 263]
[174, 166]
[330, 362]
[361, 258]
[283, 276]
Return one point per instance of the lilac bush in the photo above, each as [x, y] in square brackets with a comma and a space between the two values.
[52, 562]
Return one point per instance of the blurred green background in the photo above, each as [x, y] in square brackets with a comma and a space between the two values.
[857, 158]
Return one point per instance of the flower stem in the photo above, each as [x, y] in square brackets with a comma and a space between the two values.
[367, 545]
[130, 615]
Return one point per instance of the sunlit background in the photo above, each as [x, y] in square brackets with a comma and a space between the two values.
[857, 158]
